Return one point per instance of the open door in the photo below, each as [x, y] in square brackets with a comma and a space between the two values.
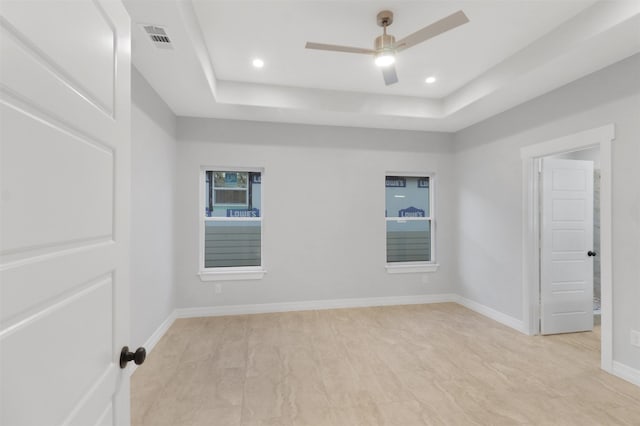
[566, 256]
[65, 159]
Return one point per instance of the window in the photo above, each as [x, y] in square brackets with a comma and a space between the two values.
[231, 224]
[410, 223]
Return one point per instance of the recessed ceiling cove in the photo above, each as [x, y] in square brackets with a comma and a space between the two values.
[237, 30]
[507, 53]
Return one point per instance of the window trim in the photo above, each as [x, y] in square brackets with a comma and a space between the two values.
[228, 273]
[416, 267]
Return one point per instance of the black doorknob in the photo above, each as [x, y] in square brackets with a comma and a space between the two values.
[591, 253]
[138, 357]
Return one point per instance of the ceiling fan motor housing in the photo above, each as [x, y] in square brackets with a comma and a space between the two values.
[384, 43]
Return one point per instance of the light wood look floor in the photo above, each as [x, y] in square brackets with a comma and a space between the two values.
[437, 364]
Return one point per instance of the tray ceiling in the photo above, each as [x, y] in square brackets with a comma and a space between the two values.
[508, 53]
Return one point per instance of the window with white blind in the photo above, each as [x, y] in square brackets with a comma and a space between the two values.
[231, 224]
[409, 216]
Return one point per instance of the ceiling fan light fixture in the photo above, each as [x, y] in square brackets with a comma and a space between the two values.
[385, 46]
[384, 59]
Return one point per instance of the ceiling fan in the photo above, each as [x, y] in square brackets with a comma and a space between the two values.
[386, 46]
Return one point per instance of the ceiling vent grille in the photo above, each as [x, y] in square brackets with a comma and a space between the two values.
[158, 36]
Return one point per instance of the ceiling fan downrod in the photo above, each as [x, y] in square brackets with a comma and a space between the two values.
[385, 42]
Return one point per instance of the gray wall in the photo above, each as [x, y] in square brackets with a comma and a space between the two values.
[153, 128]
[323, 204]
[489, 192]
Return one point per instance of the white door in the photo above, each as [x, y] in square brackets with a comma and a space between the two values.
[566, 264]
[65, 158]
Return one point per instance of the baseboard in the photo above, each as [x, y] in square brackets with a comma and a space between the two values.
[627, 373]
[155, 337]
[313, 305]
[488, 312]
[262, 308]
[623, 371]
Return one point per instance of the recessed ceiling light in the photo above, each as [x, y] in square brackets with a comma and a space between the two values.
[258, 63]
[430, 80]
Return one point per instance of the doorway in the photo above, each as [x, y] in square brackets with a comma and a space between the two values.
[569, 208]
[532, 156]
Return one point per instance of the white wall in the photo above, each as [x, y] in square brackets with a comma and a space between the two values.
[323, 204]
[489, 192]
[153, 128]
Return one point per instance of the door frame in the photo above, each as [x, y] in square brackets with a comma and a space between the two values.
[531, 156]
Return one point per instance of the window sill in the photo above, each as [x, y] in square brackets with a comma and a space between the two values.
[232, 274]
[411, 268]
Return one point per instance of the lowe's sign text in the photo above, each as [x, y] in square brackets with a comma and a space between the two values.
[243, 212]
[411, 212]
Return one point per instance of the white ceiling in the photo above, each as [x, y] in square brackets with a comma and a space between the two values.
[509, 52]
[237, 31]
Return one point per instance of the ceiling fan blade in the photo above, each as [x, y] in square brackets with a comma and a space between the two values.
[336, 48]
[389, 74]
[445, 24]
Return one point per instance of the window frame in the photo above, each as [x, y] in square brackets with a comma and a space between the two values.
[231, 273]
[418, 266]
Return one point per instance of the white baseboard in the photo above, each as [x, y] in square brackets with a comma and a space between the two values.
[500, 317]
[313, 305]
[262, 308]
[155, 337]
[627, 373]
[623, 371]
[212, 311]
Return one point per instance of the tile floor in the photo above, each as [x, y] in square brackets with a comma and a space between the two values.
[438, 364]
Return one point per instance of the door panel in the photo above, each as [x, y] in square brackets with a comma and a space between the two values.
[86, 319]
[569, 240]
[566, 293]
[45, 32]
[568, 210]
[27, 288]
[26, 75]
[568, 180]
[53, 206]
[65, 157]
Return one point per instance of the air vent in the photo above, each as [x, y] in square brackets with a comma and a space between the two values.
[158, 36]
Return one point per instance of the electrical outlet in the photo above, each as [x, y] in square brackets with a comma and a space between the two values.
[635, 338]
[218, 288]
